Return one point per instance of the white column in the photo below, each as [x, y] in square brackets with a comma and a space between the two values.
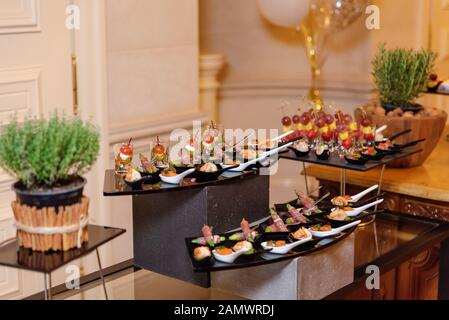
[210, 67]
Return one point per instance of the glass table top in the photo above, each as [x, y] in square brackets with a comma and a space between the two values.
[389, 232]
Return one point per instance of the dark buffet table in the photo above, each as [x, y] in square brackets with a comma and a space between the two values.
[392, 240]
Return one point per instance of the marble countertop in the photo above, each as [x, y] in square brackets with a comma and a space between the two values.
[429, 181]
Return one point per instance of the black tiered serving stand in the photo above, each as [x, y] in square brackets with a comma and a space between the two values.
[164, 214]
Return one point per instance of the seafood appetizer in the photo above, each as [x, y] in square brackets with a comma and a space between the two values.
[169, 173]
[246, 234]
[322, 152]
[278, 225]
[244, 246]
[223, 251]
[201, 253]
[341, 201]
[228, 255]
[296, 216]
[132, 175]
[301, 234]
[209, 168]
[301, 148]
[322, 228]
[208, 238]
[146, 165]
[356, 158]
[276, 244]
[339, 215]
[249, 154]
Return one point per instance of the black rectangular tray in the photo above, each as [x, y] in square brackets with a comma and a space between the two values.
[262, 257]
[336, 161]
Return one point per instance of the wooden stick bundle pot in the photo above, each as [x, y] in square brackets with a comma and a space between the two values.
[48, 158]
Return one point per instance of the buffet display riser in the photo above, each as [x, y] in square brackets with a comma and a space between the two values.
[161, 221]
[310, 277]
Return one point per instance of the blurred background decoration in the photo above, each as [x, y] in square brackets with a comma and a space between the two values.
[317, 20]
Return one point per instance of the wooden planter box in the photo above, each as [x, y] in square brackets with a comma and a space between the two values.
[428, 127]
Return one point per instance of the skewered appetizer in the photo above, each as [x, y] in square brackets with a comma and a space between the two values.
[278, 225]
[209, 167]
[201, 253]
[132, 175]
[146, 165]
[246, 234]
[125, 155]
[208, 238]
[296, 215]
[301, 234]
[308, 204]
[159, 154]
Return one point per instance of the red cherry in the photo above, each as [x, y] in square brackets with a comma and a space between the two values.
[304, 119]
[369, 137]
[347, 144]
[366, 122]
[329, 119]
[126, 150]
[357, 134]
[348, 119]
[312, 134]
[286, 121]
[296, 119]
[327, 136]
[342, 128]
[320, 122]
[209, 139]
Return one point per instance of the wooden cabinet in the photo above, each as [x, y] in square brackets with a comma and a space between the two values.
[416, 279]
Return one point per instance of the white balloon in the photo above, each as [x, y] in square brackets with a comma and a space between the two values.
[284, 13]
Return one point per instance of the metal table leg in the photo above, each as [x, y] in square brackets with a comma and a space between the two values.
[379, 191]
[342, 182]
[45, 287]
[101, 275]
[305, 177]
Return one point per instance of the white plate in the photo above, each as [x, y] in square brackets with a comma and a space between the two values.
[333, 232]
[290, 246]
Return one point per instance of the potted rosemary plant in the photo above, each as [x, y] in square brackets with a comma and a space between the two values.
[400, 77]
[48, 158]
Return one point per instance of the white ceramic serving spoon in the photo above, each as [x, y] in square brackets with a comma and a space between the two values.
[381, 129]
[290, 246]
[360, 195]
[275, 139]
[231, 257]
[333, 232]
[356, 211]
[261, 157]
[176, 179]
